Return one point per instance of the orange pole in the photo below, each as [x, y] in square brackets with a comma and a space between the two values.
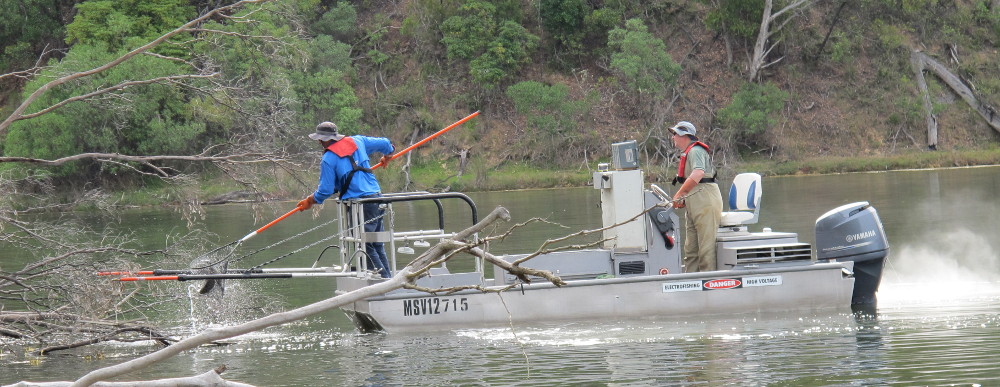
[431, 137]
[159, 278]
[273, 222]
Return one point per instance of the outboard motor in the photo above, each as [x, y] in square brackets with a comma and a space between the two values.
[853, 232]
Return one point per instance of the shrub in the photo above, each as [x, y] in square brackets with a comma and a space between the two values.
[641, 59]
[752, 112]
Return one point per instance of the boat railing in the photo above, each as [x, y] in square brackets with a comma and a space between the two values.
[353, 236]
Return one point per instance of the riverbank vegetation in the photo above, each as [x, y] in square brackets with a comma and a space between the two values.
[556, 81]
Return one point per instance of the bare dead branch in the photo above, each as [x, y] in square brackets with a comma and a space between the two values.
[761, 48]
[119, 86]
[245, 158]
[210, 378]
[150, 335]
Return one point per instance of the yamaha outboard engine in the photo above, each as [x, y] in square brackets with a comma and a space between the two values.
[853, 232]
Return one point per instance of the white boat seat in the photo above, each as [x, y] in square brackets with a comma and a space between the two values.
[744, 201]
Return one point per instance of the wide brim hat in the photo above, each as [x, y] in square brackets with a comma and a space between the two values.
[684, 128]
[326, 131]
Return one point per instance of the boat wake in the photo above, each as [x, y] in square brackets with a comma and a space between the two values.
[947, 267]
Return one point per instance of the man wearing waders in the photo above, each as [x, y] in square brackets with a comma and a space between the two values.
[703, 207]
[346, 169]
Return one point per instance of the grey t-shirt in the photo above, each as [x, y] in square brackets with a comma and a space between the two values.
[698, 158]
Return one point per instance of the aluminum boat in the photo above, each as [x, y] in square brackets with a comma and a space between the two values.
[636, 272]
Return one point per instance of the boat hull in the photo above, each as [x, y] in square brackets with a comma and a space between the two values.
[803, 287]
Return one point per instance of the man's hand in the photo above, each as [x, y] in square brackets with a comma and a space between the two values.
[306, 203]
[385, 160]
[678, 203]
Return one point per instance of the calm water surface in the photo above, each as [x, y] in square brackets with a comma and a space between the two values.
[937, 323]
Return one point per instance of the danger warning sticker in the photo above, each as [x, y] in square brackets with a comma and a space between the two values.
[721, 283]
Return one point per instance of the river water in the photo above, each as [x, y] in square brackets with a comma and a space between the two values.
[938, 318]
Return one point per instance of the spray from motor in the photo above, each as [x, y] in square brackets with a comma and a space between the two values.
[954, 265]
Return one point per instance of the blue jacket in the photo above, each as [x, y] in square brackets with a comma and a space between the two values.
[334, 169]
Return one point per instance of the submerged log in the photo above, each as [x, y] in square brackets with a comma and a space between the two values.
[210, 378]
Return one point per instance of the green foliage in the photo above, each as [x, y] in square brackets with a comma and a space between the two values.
[326, 96]
[124, 23]
[324, 92]
[602, 20]
[738, 17]
[987, 17]
[890, 37]
[27, 28]
[153, 120]
[753, 110]
[340, 21]
[496, 48]
[555, 120]
[376, 40]
[423, 24]
[505, 55]
[641, 59]
[564, 20]
[329, 53]
[841, 48]
[918, 6]
[467, 35]
[547, 108]
[908, 111]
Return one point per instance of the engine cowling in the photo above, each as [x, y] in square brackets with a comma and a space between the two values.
[853, 232]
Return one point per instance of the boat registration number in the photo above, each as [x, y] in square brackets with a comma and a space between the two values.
[434, 305]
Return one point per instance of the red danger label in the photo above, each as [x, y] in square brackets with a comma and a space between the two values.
[724, 283]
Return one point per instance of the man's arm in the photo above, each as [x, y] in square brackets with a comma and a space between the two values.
[688, 185]
[327, 179]
[377, 144]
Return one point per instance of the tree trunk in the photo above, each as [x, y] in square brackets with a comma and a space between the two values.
[921, 61]
[761, 48]
[836, 18]
[918, 68]
[757, 62]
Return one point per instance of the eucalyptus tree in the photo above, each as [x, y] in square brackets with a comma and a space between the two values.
[641, 61]
[492, 40]
[156, 90]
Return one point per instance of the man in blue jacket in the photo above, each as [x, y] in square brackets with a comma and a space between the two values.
[346, 169]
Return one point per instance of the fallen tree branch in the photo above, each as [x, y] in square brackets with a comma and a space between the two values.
[109, 89]
[246, 158]
[113, 336]
[210, 378]
[920, 62]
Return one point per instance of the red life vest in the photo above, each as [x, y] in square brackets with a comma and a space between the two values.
[343, 148]
[682, 164]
